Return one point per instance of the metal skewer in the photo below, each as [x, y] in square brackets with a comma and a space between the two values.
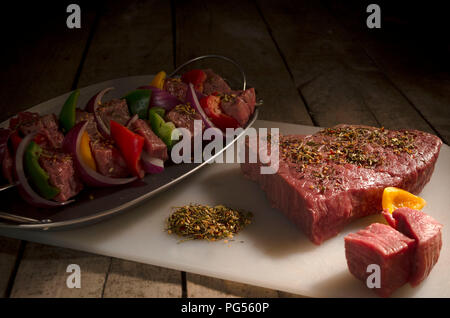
[214, 56]
[7, 186]
[36, 222]
[18, 218]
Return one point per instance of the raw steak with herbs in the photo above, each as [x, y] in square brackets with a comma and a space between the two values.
[338, 174]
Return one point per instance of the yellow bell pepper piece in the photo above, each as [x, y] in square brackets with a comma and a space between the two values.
[394, 198]
[158, 80]
[86, 153]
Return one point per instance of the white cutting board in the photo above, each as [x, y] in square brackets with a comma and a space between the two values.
[270, 253]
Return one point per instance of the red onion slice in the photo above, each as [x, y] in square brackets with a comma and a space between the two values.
[101, 126]
[4, 137]
[95, 99]
[150, 164]
[162, 98]
[25, 189]
[131, 121]
[191, 97]
[71, 144]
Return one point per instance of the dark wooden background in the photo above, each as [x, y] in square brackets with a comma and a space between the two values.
[312, 62]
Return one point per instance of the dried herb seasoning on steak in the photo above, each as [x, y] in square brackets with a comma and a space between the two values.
[330, 178]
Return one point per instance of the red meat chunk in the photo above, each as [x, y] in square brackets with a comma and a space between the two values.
[154, 146]
[426, 231]
[214, 83]
[240, 105]
[382, 245]
[183, 116]
[47, 126]
[61, 172]
[91, 127]
[108, 159]
[115, 109]
[176, 87]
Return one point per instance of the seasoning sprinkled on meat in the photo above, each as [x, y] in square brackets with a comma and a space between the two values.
[115, 109]
[108, 158]
[214, 83]
[183, 116]
[46, 125]
[61, 172]
[176, 87]
[91, 127]
[239, 104]
[381, 245]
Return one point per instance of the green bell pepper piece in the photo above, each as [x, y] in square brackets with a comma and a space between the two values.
[159, 110]
[37, 175]
[67, 114]
[161, 128]
[138, 102]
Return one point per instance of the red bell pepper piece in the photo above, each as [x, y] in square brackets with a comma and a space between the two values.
[130, 145]
[15, 140]
[40, 139]
[196, 77]
[211, 106]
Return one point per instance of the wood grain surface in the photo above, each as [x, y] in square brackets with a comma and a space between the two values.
[208, 27]
[339, 81]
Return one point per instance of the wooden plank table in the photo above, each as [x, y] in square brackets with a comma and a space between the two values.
[312, 63]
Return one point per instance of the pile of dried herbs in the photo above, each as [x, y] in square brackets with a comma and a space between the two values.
[197, 221]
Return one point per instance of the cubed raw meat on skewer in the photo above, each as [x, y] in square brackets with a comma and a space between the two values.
[108, 159]
[47, 126]
[153, 145]
[115, 109]
[61, 172]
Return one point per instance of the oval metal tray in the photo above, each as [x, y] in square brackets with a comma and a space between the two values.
[95, 204]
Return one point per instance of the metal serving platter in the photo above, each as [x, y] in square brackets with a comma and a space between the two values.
[95, 204]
